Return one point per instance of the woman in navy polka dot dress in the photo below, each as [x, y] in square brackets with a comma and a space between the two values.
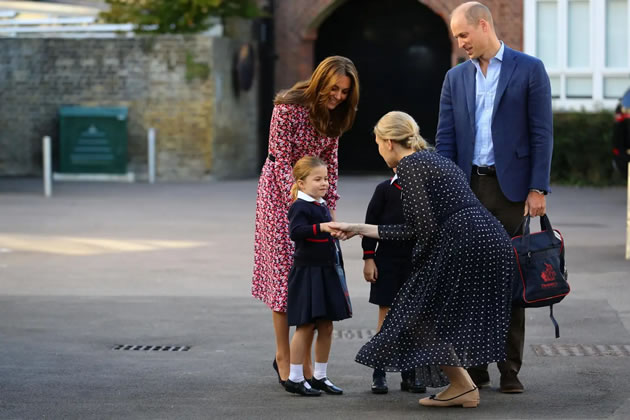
[454, 310]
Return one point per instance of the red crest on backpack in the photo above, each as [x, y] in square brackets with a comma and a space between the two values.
[549, 274]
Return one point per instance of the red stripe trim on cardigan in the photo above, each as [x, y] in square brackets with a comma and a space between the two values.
[316, 240]
[314, 229]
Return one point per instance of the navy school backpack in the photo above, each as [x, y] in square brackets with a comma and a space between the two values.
[541, 274]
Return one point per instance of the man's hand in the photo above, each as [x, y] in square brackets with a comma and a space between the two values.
[370, 272]
[535, 205]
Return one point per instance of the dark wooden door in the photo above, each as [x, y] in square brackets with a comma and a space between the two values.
[402, 50]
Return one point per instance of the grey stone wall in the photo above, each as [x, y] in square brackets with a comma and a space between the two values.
[181, 85]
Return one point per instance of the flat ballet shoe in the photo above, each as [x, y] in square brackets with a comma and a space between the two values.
[468, 399]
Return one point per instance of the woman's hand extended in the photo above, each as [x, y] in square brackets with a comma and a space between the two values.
[348, 230]
[341, 230]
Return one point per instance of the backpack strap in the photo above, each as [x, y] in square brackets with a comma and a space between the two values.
[555, 323]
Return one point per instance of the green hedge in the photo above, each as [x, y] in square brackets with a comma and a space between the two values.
[582, 151]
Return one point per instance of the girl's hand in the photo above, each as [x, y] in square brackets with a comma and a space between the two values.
[325, 227]
[342, 230]
[370, 272]
[328, 227]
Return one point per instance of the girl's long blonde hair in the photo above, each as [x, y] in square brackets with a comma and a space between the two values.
[400, 127]
[302, 169]
[315, 93]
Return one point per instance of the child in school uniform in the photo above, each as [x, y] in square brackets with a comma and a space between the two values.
[317, 291]
[386, 268]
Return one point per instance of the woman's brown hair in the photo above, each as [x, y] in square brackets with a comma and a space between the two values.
[315, 93]
[302, 169]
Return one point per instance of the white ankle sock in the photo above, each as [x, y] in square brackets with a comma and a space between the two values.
[296, 373]
[320, 370]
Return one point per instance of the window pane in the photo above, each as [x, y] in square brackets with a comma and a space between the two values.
[555, 86]
[617, 33]
[615, 87]
[579, 34]
[546, 34]
[579, 87]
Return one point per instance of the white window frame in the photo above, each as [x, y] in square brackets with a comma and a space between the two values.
[596, 70]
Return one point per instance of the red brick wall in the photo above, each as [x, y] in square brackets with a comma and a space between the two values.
[296, 23]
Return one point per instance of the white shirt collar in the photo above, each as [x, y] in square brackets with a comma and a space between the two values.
[394, 178]
[498, 55]
[307, 197]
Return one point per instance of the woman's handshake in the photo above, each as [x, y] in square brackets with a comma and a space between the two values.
[344, 231]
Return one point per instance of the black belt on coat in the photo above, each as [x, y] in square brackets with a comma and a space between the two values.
[484, 170]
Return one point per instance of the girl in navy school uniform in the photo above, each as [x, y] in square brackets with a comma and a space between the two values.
[317, 291]
[386, 268]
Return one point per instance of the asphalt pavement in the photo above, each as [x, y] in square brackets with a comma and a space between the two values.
[132, 301]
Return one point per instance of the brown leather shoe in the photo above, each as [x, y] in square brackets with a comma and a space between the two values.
[510, 384]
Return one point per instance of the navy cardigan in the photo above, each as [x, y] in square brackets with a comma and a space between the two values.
[312, 246]
[385, 208]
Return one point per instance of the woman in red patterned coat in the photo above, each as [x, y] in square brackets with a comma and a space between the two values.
[307, 120]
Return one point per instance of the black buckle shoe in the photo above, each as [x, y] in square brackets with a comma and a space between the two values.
[412, 384]
[328, 389]
[299, 388]
[379, 384]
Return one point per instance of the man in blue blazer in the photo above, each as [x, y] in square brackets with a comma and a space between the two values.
[496, 124]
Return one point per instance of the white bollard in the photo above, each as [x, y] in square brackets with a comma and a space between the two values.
[151, 154]
[47, 166]
[628, 219]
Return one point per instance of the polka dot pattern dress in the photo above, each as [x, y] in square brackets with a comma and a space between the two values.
[291, 137]
[455, 308]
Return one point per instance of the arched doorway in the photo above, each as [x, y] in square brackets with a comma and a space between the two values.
[402, 50]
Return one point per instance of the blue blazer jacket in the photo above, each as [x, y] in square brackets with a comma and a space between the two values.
[522, 123]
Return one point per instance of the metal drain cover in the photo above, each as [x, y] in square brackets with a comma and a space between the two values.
[149, 348]
[605, 350]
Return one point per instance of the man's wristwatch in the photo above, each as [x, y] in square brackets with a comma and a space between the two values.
[538, 191]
